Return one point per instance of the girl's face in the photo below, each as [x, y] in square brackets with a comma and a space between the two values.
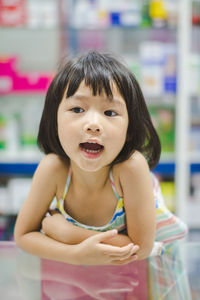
[92, 129]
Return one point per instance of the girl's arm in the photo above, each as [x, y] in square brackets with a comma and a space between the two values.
[26, 233]
[140, 212]
[56, 227]
[27, 229]
[139, 203]
[65, 232]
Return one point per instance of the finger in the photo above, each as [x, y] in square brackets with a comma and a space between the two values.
[125, 261]
[99, 237]
[114, 251]
[130, 253]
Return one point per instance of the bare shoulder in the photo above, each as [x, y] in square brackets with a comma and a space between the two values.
[52, 163]
[50, 175]
[134, 170]
[136, 165]
[51, 169]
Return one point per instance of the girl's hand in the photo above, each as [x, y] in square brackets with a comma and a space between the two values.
[93, 251]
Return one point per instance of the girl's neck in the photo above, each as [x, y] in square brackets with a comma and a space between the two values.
[90, 180]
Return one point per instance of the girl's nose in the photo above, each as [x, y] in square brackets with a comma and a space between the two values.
[93, 125]
[93, 128]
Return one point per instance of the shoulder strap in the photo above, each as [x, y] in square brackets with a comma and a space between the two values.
[67, 182]
[113, 185]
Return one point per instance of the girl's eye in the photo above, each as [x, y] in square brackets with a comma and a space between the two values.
[110, 113]
[77, 110]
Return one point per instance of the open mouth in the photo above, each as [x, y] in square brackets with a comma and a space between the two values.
[91, 147]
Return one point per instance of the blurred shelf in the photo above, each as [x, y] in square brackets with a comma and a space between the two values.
[30, 28]
[28, 168]
[165, 168]
[11, 169]
[194, 158]
[166, 29]
[25, 163]
[20, 156]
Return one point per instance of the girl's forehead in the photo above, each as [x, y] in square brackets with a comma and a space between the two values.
[87, 90]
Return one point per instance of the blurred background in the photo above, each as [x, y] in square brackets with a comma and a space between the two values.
[160, 42]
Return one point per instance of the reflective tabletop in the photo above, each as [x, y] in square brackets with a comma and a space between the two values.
[24, 276]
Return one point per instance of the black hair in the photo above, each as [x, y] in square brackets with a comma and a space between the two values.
[99, 71]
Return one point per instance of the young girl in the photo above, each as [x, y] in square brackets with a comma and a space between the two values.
[100, 145]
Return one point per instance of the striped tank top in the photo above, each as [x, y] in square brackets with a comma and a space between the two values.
[117, 221]
[169, 228]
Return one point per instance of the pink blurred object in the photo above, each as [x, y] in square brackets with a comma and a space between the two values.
[13, 13]
[13, 81]
[60, 281]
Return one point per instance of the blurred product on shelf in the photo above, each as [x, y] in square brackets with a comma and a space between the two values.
[195, 186]
[12, 13]
[13, 80]
[196, 12]
[195, 138]
[105, 13]
[30, 117]
[13, 194]
[155, 69]
[125, 13]
[168, 191]
[152, 73]
[19, 121]
[158, 68]
[158, 12]
[2, 132]
[194, 69]
[164, 121]
[163, 13]
[20, 111]
[7, 223]
[194, 201]
[42, 14]
[146, 20]
[30, 13]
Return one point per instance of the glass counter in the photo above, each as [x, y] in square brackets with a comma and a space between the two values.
[24, 276]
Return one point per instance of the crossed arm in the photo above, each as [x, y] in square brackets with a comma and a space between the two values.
[86, 248]
[140, 214]
[56, 227]
[68, 243]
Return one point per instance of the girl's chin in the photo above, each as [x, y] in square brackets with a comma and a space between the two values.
[91, 162]
[87, 167]
[91, 165]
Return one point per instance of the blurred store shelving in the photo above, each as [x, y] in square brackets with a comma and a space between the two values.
[147, 35]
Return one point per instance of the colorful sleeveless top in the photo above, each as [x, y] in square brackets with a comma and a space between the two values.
[118, 219]
[169, 227]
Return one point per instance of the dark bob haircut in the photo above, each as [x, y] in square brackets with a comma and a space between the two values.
[99, 71]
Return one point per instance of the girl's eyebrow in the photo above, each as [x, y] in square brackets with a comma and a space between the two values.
[112, 100]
